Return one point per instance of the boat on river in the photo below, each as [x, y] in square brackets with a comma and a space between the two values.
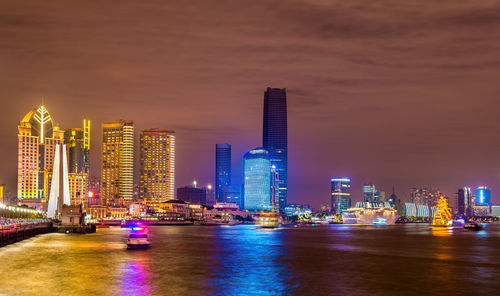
[138, 237]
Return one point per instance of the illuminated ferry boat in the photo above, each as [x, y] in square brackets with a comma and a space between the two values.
[138, 237]
[268, 220]
[376, 216]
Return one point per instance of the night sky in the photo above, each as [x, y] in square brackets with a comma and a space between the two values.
[402, 93]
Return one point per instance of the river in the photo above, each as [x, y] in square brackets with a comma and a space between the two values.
[410, 259]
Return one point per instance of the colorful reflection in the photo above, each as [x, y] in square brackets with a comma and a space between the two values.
[136, 278]
[252, 263]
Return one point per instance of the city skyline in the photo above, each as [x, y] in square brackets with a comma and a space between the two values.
[381, 96]
[137, 155]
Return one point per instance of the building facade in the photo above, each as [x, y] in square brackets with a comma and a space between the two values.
[234, 194]
[117, 163]
[483, 196]
[257, 175]
[275, 137]
[369, 193]
[77, 141]
[192, 195]
[465, 202]
[157, 170]
[37, 139]
[222, 170]
[340, 195]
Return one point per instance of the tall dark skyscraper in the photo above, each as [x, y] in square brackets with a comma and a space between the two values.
[465, 202]
[222, 170]
[274, 138]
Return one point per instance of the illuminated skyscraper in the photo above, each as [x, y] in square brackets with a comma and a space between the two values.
[275, 185]
[275, 136]
[340, 195]
[222, 170]
[369, 193]
[78, 144]
[3, 193]
[157, 176]
[257, 187]
[465, 202]
[483, 196]
[117, 162]
[37, 140]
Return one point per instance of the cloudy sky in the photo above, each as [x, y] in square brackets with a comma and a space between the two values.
[402, 93]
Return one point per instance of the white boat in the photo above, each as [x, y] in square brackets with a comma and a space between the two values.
[138, 238]
[367, 216]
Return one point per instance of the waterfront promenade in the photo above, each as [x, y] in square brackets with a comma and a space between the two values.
[14, 230]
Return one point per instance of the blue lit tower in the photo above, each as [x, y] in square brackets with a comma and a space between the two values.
[222, 170]
[341, 195]
[274, 137]
[483, 196]
[257, 186]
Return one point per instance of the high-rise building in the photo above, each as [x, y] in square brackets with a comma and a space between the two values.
[3, 193]
[77, 141]
[157, 171]
[257, 187]
[465, 202]
[340, 194]
[275, 185]
[234, 194]
[117, 162]
[483, 196]
[193, 195]
[274, 138]
[425, 196]
[369, 193]
[222, 170]
[37, 140]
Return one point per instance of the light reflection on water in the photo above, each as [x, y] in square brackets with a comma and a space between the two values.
[184, 260]
[135, 277]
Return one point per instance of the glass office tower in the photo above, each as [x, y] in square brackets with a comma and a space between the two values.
[257, 187]
[222, 170]
[274, 138]
[340, 195]
[483, 196]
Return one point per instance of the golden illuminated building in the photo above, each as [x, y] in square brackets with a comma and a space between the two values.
[78, 188]
[3, 193]
[157, 175]
[37, 139]
[117, 162]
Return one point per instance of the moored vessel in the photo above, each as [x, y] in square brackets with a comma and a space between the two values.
[367, 216]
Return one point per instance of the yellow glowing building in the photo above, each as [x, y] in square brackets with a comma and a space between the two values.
[37, 140]
[3, 193]
[157, 176]
[117, 163]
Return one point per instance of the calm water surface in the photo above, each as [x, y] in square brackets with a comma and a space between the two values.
[242, 260]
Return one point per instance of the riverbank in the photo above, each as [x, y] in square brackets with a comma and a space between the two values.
[18, 231]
